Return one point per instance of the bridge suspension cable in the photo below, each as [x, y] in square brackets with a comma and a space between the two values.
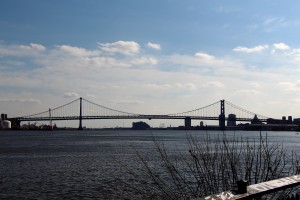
[67, 110]
[212, 110]
[93, 109]
[241, 112]
[85, 109]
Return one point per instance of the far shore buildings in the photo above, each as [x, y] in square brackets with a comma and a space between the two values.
[4, 123]
[283, 124]
[140, 125]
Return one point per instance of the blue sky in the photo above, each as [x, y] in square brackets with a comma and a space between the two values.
[153, 57]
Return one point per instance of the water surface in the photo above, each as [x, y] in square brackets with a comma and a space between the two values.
[87, 164]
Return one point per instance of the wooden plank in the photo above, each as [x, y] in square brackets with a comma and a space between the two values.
[257, 189]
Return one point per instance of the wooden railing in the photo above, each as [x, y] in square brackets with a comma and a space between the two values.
[257, 190]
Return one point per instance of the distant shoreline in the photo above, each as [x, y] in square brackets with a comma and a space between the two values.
[261, 127]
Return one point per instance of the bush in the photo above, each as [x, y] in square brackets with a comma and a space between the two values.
[212, 165]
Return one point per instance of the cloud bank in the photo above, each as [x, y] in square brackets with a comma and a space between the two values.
[125, 76]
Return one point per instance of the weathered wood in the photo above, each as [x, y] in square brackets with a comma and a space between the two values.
[257, 189]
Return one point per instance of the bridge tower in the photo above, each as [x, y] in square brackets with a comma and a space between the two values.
[15, 122]
[80, 114]
[222, 115]
[50, 118]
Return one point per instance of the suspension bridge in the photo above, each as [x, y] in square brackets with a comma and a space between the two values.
[83, 109]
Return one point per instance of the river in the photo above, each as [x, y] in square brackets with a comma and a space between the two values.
[86, 164]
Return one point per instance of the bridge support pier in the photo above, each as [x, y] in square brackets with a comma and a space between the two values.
[80, 115]
[188, 123]
[222, 116]
[16, 123]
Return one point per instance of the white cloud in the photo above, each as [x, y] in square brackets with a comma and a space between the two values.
[71, 95]
[281, 46]
[90, 95]
[22, 100]
[117, 87]
[167, 86]
[294, 55]
[21, 50]
[204, 57]
[153, 46]
[249, 91]
[256, 85]
[202, 63]
[188, 86]
[255, 49]
[273, 20]
[76, 51]
[122, 47]
[144, 61]
[271, 24]
[129, 101]
[34, 46]
[176, 79]
[104, 62]
[157, 86]
[274, 23]
[213, 84]
[30, 47]
[290, 86]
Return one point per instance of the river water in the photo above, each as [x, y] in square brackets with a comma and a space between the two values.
[86, 164]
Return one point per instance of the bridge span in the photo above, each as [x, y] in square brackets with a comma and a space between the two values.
[82, 109]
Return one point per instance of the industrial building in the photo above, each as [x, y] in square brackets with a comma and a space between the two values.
[4, 123]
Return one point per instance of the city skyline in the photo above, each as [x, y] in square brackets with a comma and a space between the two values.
[151, 57]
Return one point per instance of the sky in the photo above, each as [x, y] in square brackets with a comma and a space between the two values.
[150, 57]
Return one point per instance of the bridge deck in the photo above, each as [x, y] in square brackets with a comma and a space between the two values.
[126, 117]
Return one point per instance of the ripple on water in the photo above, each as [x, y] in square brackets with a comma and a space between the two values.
[79, 165]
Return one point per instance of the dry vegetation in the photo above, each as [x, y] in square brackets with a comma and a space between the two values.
[209, 166]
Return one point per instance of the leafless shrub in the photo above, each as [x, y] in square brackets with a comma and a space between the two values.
[211, 165]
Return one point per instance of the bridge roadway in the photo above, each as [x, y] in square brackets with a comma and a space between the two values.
[129, 117]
